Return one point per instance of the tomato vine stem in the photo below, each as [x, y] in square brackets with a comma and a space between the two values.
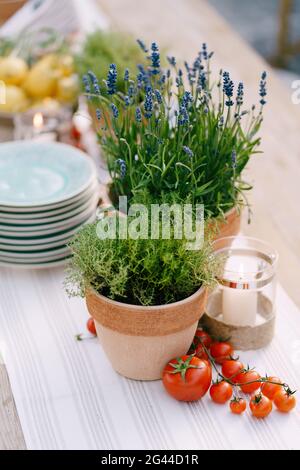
[234, 384]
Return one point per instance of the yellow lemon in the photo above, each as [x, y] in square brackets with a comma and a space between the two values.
[67, 89]
[48, 60]
[48, 104]
[15, 100]
[13, 70]
[66, 64]
[41, 80]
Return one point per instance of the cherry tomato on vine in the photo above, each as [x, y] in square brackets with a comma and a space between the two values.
[285, 400]
[231, 369]
[187, 378]
[200, 352]
[248, 376]
[260, 405]
[238, 406]
[270, 389]
[221, 352]
[220, 392]
[202, 337]
[90, 324]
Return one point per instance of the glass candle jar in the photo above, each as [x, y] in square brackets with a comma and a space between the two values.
[243, 304]
[42, 124]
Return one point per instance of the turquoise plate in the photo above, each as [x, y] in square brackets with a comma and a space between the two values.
[37, 174]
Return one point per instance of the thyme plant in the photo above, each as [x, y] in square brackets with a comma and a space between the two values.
[138, 271]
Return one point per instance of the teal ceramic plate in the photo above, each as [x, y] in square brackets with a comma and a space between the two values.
[27, 241]
[46, 229]
[23, 213]
[34, 248]
[47, 255]
[7, 222]
[38, 173]
[38, 265]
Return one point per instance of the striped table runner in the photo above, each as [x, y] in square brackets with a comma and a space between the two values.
[68, 397]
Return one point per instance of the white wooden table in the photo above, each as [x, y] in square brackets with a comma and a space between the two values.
[66, 394]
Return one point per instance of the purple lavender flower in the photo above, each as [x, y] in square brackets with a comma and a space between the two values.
[112, 79]
[172, 61]
[98, 114]
[122, 166]
[178, 79]
[115, 110]
[240, 94]
[228, 88]
[233, 159]
[127, 100]
[188, 151]
[138, 115]
[148, 105]
[187, 67]
[221, 122]
[183, 116]
[158, 96]
[142, 45]
[86, 83]
[162, 79]
[95, 82]
[202, 80]
[263, 88]
[155, 59]
[187, 99]
[131, 90]
[126, 75]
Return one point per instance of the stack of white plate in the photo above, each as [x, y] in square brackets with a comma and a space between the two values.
[47, 192]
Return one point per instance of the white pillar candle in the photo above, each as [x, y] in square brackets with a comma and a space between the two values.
[239, 306]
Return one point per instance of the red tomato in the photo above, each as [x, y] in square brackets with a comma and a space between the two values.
[220, 392]
[231, 369]
[203, 338]
[270, 390]
[238, 406]
[285, 400]
[260, 405]
[200, 352]
[221, 352]
[248, 376]
[187, 378]
[90, 324]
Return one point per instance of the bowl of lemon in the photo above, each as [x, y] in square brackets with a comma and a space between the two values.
[48, 81]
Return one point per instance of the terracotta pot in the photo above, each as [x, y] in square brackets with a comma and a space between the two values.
[226, 228]
[140, 340]
[9, 8]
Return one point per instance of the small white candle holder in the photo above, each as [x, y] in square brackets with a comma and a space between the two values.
[242, 307]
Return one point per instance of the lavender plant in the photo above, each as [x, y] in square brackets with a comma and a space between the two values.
[178, 130]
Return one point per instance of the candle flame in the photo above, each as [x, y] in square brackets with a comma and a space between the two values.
[38, 121]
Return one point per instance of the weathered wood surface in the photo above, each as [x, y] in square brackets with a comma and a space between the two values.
[11, 436]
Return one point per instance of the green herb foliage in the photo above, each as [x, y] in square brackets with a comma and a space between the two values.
[101, 49]
[142, 272]
[177, 131]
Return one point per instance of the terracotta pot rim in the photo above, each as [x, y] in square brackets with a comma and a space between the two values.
[145, 308]
[233, 210]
